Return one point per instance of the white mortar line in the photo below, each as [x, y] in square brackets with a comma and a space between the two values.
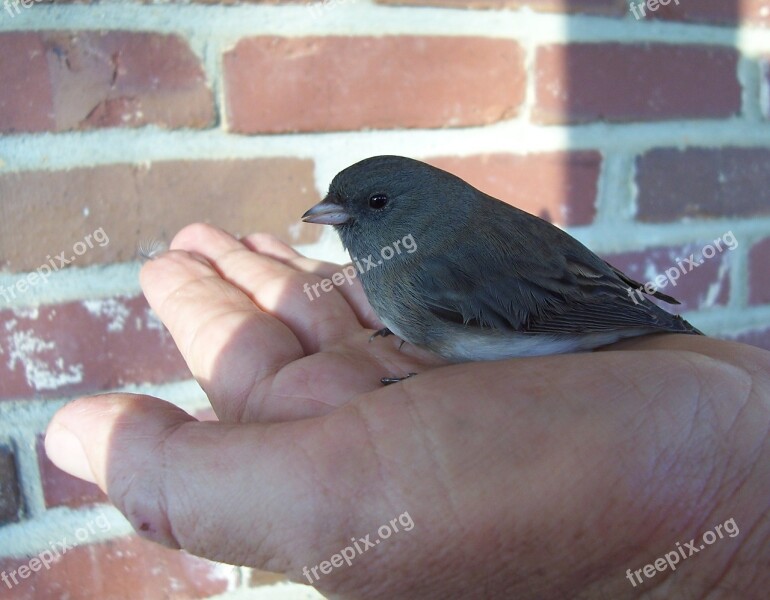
[369, 18]
[614, 202]
[27, 415]
[74, 284]
[739, 273]
[283, 590]
[209, 51]
[726, 322]
[530, 77]
[29, 473]
[23, 420]
[214, 60]
[21, 423]
[606, 238]
[28, 538]
[33, 416]
[764, 88]
[336, 150]
[122, 279]
[186, 394]
[749, 77]
[603, 236]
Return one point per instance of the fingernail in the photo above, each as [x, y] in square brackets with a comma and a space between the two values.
[66, 452]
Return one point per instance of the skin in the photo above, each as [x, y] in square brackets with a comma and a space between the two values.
[542, 477]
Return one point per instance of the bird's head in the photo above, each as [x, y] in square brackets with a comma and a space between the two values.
[384, 198]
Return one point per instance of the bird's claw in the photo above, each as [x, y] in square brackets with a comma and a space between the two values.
[389, 380]
[384, 332]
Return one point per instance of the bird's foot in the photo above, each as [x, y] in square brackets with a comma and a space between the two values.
[384, 332]
[389, 380]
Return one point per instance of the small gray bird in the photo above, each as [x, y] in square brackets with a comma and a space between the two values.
[486, 281]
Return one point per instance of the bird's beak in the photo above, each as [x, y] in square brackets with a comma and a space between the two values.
[326, 213]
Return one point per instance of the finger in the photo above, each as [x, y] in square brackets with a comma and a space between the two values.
[271, 246]
[274, 287]
[242, 494]
[230, 346]
[700, 344]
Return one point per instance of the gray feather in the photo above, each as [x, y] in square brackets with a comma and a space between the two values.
[487, 280]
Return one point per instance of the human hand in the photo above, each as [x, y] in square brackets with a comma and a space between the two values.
[538, 477]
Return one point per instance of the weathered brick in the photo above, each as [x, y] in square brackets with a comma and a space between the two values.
[62, 489]
[120, 568]
[80, 80]
[559, 187]
[759, 273]
[26, 95]
[702, 286]
[613, 8]
[702, 183]
[83, 347]
[615, 82]
[717, 12]
[276, 84]
[133, 203]
[10, 490]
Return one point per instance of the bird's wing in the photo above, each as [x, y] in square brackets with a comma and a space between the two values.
[536, 289]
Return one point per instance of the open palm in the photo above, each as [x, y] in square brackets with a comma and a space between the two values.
[542, 477]
[258, 345]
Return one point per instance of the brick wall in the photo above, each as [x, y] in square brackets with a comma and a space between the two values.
[120, 122]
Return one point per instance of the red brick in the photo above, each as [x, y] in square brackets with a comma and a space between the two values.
[26, 95]
[706, 285]
[635, 82]
[10, 490]
[134, 203]
[703, 183]
[276, 84]
[757, 337]
[717, 12]
[558, 187]
[759, 273]
[82, 347]
[613, 8]
[80, 80]
[62, 489]
[121, 568]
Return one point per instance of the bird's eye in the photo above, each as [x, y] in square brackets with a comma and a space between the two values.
[378, 201]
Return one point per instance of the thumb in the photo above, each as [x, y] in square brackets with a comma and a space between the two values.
[215, 489]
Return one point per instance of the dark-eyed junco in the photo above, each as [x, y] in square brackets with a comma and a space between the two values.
[483, 280]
